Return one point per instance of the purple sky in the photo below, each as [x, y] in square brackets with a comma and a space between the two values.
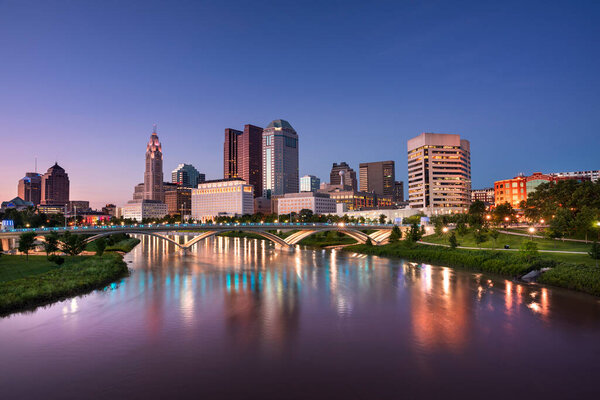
[82, 83]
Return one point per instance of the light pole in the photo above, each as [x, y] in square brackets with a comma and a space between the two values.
[531, 232]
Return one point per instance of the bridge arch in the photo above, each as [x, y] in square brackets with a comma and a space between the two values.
[267, 235]
[359, 236]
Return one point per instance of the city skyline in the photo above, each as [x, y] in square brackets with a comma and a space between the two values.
[520, 102]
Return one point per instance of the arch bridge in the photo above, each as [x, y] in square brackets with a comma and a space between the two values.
[202, 231]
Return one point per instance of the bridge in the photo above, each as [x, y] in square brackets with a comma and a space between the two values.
[202, 231]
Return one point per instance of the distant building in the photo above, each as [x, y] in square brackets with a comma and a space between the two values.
[186, 175]
[354, 200]
[485, 195]
[225, 197]
[145, 209]
[51, 209]
[309, 183]
[593, 175]
[318, 203]
[30, 188]
[79, 206]
[399, 192]
[153, 175]
[342, 174]
[94, 218]
[16, 203]
[280, 159]
[110, 209]
[242, 156]
[378, 177]
[262, 205]
[439, 172]
[55, 187]
[138, 192]
[179, 201]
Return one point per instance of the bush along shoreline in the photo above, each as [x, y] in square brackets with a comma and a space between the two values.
[81, 275]
[582, 278]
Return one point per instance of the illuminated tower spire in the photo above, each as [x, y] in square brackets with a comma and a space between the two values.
[153, 176]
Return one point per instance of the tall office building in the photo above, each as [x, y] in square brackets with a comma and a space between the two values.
[378, 177]
[399, 192]
[342, 174]
[309, 183]
[242, 156]
[30, 188]
[439, 171]
[153, 176]
[280, 159]
[55, 187]
[186, 175]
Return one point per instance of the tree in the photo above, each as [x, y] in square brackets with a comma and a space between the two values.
[529, 250]
[72, 244]
[414, 233]
[452, 240]
[503, 213]
[480, 237]
[562, 223]
[382, 218]
[494, 234]
[396, 234]
[461, 228]
[51, 244]
[476, 213]
[100, 246]
[369, 242]
[595, 252]
[26, 243]
[1, 248]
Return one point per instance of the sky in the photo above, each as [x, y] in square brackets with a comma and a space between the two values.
[82, 83]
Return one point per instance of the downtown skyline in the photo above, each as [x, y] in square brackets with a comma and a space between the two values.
[522, 110]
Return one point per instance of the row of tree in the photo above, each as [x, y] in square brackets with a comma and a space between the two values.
[68, 243]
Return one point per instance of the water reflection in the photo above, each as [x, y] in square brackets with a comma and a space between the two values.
[237, 308]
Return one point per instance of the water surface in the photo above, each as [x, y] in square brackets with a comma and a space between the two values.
[240, 319]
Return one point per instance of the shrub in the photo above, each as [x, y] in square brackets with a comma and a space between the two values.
[58, 260]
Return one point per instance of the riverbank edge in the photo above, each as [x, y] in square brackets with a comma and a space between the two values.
[580, 278]
[92, 273]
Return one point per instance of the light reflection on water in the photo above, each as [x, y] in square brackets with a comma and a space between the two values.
[238, 310]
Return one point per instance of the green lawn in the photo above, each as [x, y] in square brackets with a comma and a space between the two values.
[15, 267]
[125, 245]
[514, 241]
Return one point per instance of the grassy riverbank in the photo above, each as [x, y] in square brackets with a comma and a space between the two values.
[583, 278]
[124, 245]
[47, 284]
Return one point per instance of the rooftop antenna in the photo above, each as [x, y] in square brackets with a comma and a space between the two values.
[153, 128]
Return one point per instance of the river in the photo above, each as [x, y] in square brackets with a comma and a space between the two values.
[237, 318]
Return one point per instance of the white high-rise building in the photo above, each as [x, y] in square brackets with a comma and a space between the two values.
[318, 203]
[224, 197]
[439, 172]
[309, 183]
[144, 209]
[280, 159]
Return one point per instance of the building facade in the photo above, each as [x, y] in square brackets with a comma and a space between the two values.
[225, 197]
[593, 175]
[309, 183]
[280, 159]
[110, 209]
[153, 175]
[186, 175]
[485, 195]
[318, 203]
[55, 187]
[179, 201]
[242, 156]
[145, 209]
[399, 191]
[342, 174]
[79, 206]
[439, 172]
[30, 188]
[378, 177]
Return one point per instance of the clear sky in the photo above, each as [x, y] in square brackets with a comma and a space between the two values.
[82, 83]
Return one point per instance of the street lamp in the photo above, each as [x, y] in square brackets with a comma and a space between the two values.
[445, 229]
[531, 232]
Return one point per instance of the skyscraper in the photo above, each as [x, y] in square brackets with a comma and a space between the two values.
[242, 156]
[378, 177]
[439, 171]
[280, 159]
[186, 175]
[153, 176]
[343, 171]
[30, 188]
[55, 186]
[309, 183]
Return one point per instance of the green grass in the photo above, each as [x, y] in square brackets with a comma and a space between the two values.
[15, 267]
[584, 278]
[514, 241]
[327, 239]
[71, 279]
[497, 262]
